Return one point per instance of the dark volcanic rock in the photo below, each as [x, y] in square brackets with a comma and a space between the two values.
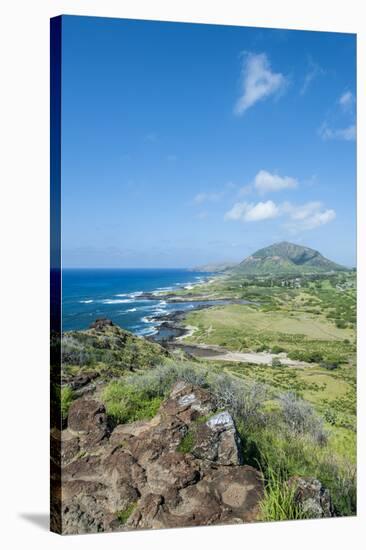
[217, 440]
[100, 324]
[139, 470]
[82, 380]
[88, 418]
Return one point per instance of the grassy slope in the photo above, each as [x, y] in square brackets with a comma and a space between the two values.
[108, 352]
[303, 320]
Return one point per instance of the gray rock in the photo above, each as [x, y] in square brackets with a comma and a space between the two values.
[312, 497]
[218, 441]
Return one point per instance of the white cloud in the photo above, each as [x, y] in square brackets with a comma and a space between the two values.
[347, 100]
[307, 216]
[314, 70]
[298, 217]
[201, 198]
[265, 182]
[346, 134]
[250, 212]
[258, 81]
[344, 110]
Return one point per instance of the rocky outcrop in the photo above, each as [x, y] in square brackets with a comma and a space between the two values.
[145, 475]
[216, 440]
[87, 418]
[102, 323]
[311, 497]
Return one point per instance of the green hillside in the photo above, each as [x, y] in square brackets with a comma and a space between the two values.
[286, 258]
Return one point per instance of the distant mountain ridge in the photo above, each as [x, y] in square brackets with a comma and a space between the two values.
[286, 258]
[215, 267]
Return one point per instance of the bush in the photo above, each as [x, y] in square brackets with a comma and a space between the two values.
[276, 362]
[277, 349]
[67, 397]
[329, 365]
[300, 417]
[124, 514]
[262, 347]
[187, 443]
[243, 399]
[125, 404]
[306, 356]
[74, 352]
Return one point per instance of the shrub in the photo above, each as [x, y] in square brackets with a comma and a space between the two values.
[307, 356]
[277, 349]
[124, 514]
[329, 365]
[187, 443]
[67, 397]
[126, 404]
[276, 362]
[300, 417]
[243, 399]
[262, 347]
[74, 352]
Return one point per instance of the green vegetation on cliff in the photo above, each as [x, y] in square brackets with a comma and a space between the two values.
[286, 258]
[107, 350]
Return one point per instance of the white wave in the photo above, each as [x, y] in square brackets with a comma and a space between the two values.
[147, 320]
[135, 294]
[160, 310]
[86, 301]
[131, 309]
[111, 302]
[146, 332]
[163, 288]
[150, 307]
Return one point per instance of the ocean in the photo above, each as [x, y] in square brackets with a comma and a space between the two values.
[88, 294]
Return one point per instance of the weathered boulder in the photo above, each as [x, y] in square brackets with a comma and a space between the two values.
[217, 440]
[81, 380]
[188, 402]
[70, 447]
[312, 497]
[87, 418]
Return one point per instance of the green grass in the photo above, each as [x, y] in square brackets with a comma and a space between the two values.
[187, 443]
[123, 515]
[281, 454]
[112, 351]
[241, 327]
[67, 397]
[126, 404]
[278, 503]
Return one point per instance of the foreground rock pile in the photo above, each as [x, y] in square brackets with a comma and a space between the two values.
[181, 468]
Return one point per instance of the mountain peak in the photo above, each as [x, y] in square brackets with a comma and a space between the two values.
[285, 257]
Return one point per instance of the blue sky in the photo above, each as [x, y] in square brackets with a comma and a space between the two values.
[184, 144]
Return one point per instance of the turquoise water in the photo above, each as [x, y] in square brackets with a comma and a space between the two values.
[115, 293]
